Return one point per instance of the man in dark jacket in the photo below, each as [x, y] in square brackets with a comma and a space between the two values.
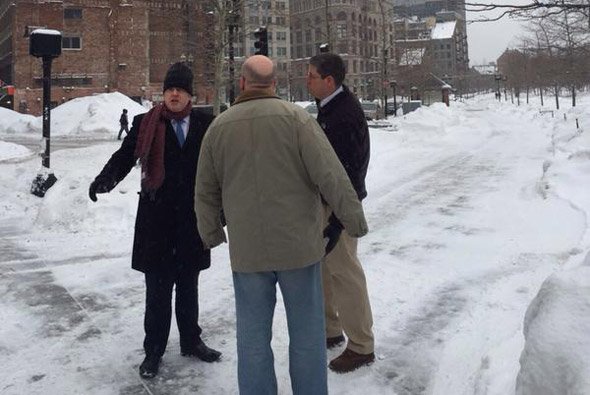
[167, 246]
[124, 122]
[346, 299]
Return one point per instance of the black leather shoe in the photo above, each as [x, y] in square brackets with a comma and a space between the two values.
[149, 367]
[335, 341]
[201, 351]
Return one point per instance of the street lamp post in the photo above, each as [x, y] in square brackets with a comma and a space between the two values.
[45, 44]
[394, 85]
[498, 77]
[233, 18]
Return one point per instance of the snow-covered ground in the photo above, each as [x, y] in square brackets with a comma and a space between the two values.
[476, 262]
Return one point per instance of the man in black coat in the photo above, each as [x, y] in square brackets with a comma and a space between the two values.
[167, 246]
[346, 299]
[124, 122]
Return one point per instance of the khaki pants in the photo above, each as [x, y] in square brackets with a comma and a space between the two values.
[345, 295]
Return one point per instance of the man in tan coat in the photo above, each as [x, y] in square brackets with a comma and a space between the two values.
[267, 163]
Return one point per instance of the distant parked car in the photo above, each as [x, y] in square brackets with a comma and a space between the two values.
[312, 109]
[371, 110]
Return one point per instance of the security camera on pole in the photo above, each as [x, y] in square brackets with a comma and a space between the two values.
[261, 43]
[45, 44]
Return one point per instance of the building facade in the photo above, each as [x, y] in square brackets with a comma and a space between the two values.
[358, 30]
[107, 45]
[275, 16]
[431, 49]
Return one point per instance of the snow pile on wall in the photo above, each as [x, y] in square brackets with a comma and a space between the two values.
[92, 116]
[12, 122]
[555, 359]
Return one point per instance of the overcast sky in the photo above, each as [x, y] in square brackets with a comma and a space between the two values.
[487, 40]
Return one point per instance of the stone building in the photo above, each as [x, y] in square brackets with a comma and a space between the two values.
[431, 45]
[354, 29]
[108, 45]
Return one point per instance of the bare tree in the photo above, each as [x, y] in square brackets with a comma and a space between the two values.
[529, 10]
[558, 46]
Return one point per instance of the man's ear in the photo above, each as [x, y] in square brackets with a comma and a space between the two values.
[331, 82]
[242, 83]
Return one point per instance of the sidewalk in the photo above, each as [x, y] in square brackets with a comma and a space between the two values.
[48, 337]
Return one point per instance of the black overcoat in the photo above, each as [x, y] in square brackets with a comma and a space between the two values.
[166, 225]
[344, 123]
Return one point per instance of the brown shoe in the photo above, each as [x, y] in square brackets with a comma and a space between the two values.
[350, 360]
[332, 342]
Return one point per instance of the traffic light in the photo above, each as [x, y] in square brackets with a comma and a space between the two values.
[261, 43]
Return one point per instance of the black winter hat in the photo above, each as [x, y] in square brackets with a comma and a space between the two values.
[179, 75]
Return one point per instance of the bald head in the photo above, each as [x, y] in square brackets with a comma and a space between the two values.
[258, 72]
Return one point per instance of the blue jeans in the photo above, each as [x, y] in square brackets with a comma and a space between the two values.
[304, 305]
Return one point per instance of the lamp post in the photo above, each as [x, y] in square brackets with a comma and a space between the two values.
[413, 93]
[393, 84]
[498, 77]
[370, 90]
[45, 44]
[232, 22]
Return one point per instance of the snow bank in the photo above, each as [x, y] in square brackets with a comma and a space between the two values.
[12, 122]
[92, 116]
[557, 327]
[11, 151]
[66, 206]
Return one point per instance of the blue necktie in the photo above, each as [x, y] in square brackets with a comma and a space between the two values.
[179, 132]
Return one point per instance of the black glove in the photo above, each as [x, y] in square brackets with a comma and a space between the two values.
[100, 185]
[332, 232]
[222, 218]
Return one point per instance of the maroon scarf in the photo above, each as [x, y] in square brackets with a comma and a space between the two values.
[149, 148]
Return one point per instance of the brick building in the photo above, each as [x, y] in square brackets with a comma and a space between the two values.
[108, 45]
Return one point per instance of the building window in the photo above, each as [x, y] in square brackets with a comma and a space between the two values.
[71, 42]
[341, 30]
[281, 51]
[72, 13]
[298, 37]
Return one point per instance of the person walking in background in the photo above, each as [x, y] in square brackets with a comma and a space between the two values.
[265, 162]
[347, 305]
[124, 122]
[167, 246]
